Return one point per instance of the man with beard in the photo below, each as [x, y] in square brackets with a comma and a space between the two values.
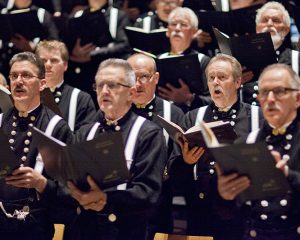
[121, 212]
[207, 214]
[76, 106]
[26, 194]
[276, 218]
[271, 17]
[182, 25]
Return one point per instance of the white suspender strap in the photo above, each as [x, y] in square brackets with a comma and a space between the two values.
[73, 108]
[92, 132]
[147, 23]
[39, 164]
[200, 115]
[254, 118]
[1, 116]
[295, 61]
[113, 21]
[41, 14]
[252, 136]
[200, 57]
[10, 4]
[225, 5]
[167, 116]
[130, 145]
[199, 118]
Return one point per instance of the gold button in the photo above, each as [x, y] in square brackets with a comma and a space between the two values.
[253, 233]
[201, 195]
[112, 217]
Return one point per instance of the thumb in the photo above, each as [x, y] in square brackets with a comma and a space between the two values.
[92, 183]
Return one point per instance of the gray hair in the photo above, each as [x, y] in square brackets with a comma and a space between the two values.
[235, 65]
[184, 12]
[33, 59]
[273, 5]
[119, 63]
[294, 78]
[3, 80]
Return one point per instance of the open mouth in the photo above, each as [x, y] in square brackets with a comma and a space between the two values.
[217, 92]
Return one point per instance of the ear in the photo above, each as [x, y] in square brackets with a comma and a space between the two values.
[65, 66]
[238, 83]
[156, 77]
[297, 103]
[168, 33]
[43, 84]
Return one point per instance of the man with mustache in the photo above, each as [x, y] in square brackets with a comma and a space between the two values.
[182, 25]
[121, 212]
[207, 214]
[26, 193]
[271, 17]
[276, 218]
[76, 106]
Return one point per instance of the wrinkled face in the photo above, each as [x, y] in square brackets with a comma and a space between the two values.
[164, 7]
[279, 106]
[222, 86]
[25, 84]
[272, 21]
[180, 30]
[146, 79]
[54, 65]
[113, 92]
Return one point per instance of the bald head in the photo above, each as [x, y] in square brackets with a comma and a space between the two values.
[147, 77]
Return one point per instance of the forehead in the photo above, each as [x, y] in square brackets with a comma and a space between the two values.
[271, 12]
[24, 66]
[220, 66]
[275, 77]
[49, 53]
[111, 73]
[184, 17]
[141, 64]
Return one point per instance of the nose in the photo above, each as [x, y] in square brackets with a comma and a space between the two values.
[270, 22]
[270, 96]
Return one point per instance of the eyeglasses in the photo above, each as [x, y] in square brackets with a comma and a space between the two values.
[24, 76]
[110, 85]
[144, 78]
[278, 92]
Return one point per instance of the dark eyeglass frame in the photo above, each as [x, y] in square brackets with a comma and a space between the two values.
[24, 76]
[278, 92]
[110, 85]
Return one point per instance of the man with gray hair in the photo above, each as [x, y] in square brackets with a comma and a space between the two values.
[182, 25]
[273, 17]
[276, 218]
[121, 212]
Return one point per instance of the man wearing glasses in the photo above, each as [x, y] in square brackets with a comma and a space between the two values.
[76, 106]
[277, 217]
[121, 213]
[146, 103]
[182, 25]
[24, 193]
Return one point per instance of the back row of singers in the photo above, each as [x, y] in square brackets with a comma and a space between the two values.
[31, 201]
[85, 59]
